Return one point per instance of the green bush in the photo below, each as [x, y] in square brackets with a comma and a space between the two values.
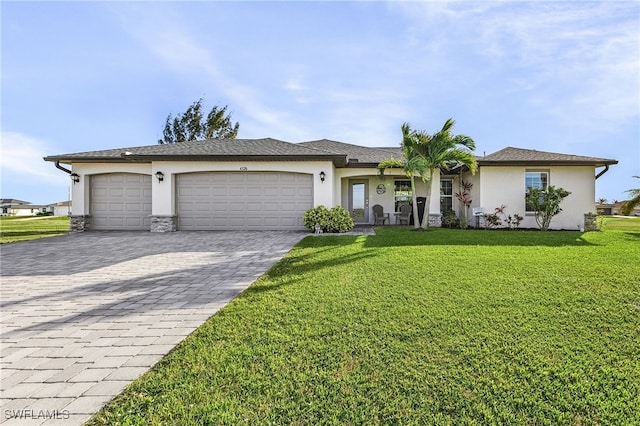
[449, 219]
[332, 220]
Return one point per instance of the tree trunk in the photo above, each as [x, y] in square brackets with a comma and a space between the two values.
[414, 196]
[425, 219]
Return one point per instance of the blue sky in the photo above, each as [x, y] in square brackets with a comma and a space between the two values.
[552, 76]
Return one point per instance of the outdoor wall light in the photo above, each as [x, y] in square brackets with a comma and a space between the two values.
[160, 176]
[75, 178]
[322, 175]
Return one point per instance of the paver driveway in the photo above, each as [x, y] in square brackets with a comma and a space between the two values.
[84, 314]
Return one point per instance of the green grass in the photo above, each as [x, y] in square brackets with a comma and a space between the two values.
[618, 223]
[14, 229]
[439, 327]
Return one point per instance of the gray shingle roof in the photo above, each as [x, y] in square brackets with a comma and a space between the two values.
[357, 156]
[519, 156]
[268, 149]
[213, 149]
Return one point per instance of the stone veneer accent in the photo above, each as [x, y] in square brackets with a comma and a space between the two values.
[164, 223]
[79, 223]
[590, 222]
[435, 220]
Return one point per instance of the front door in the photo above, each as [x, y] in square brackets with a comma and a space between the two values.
[359, 200]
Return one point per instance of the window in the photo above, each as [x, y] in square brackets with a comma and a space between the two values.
[446, 195]
[535, 179]
[402, 193]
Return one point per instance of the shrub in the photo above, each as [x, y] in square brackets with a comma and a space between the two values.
[340, 220]
[546, 204]
[449, 219]
[500, 217]
[491, 220]
[336, 219]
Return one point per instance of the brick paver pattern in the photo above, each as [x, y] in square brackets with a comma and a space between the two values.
[82, 315]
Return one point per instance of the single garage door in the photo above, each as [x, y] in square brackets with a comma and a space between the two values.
[243, 201]
[121, 201]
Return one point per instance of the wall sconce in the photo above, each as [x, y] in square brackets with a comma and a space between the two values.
[322, 176]
[160, 176]
[75, 177]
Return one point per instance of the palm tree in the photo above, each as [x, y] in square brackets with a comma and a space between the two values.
[633, 202]
[411, 164]
[440, 151]
[601, 201]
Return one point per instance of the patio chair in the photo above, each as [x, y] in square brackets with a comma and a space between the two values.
[380, 216]
[405, 213]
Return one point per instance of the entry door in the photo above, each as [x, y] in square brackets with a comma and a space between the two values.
[359, 200]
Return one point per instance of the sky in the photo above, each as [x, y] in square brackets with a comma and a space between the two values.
[553, 76]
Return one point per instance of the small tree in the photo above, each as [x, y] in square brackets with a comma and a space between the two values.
[629, 205]
[411, 164]
[464, 196]
[546, 204]
[193, 126]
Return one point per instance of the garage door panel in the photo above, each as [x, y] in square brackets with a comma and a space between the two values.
[120, 201]
[219, 191]
[244, 201]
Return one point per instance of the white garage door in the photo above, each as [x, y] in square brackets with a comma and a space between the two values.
[121, 201]
[243, 201]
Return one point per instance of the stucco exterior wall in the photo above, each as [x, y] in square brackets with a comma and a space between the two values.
[493, 186]
[506, 186]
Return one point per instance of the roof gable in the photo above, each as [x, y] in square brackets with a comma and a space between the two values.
[357, 155]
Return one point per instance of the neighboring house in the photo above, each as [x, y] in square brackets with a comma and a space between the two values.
[610, 209]
[268, 184]
[62, 208]
[605, 209]
[13, 207]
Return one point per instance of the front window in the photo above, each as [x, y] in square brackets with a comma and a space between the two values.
[402, 193]
[535, 179]
[446, 195]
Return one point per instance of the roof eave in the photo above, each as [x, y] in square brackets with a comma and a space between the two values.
[546, 163]
[338, 160]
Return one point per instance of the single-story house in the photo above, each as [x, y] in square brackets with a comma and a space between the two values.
[612, 209]
[14, 207]
[61, 208]
[268, 184]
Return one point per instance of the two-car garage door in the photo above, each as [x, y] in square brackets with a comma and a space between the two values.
[243, 200]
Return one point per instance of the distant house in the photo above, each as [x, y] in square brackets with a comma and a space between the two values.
[268, 184]
[612, 209]
[62, 208]
[13, 207]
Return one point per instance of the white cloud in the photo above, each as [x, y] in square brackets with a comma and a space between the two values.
[23, 155]
[171, 41]
[578, 62]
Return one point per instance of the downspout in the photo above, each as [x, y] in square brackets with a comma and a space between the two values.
[606, 169]
[64, 169]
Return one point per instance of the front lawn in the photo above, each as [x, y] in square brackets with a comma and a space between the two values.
[439, 327]
[13, 229]
[619, 223]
